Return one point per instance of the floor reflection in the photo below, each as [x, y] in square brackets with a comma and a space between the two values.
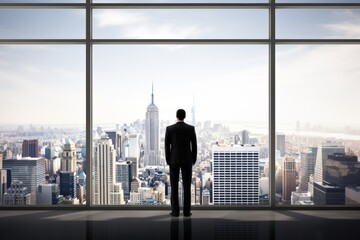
[158, 225]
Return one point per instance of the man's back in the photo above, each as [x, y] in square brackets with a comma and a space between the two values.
[180, 144]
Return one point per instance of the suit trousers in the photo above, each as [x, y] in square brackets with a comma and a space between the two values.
[186, 172]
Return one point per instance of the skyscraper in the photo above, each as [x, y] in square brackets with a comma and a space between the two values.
[324, 150]
[3, 183]
[245, 139]
[49, 194]
[123, 176]
[236, 175]
[104, 190]
[68, 159]
[113, 136]
[30, 171]
[68, 184]
[17, 194]
[288, 177]
[30, 148]
[307, 167]
[193, 111]
[342, 170]
[152, 140]
[280, 143]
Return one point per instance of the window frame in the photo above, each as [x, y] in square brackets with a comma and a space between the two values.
[271, 42]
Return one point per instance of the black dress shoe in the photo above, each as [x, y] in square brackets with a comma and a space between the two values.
[187, 215]
[174, 214]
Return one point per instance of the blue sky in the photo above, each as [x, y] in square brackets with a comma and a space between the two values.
[46, 84]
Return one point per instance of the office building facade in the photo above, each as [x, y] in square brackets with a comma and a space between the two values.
[236, 175]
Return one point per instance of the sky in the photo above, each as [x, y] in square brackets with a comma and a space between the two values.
[45, 84]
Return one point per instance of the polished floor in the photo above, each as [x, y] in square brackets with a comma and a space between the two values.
[157, 225]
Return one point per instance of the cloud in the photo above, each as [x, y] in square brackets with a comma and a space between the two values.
[135, 25]
[346, 28]
[108, 18]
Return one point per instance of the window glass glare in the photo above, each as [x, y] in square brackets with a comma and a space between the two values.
[42, 23]
[180, 24]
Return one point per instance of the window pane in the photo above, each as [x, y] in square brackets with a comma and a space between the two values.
[42, 130]
[228, 87]
[318, 124]
[42, 23]
[180, 24]
[337, 23]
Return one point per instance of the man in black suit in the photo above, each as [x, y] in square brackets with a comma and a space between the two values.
[180, 153]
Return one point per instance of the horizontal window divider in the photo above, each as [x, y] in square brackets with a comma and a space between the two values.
[317, 41]
[316, 5]
[43, 41]
[42, 5]
[180, 41]
[181, 5]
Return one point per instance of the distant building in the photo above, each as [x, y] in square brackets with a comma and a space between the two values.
[123, 175]
[17, 194]
[352, 195]
[104, 189]
[342, 170]
[30, 171]
[324, 150]
[68, 159]
[236, 175]
[152, 139]
[30, 148]
[307, 167]
[3, 183]
[280, 143]
[49, 194]
[68, 184]
[113, 136]
[328, 195]
[54, 165]
[301, 198]
[205, 197]
[288, 178]
[245, 139]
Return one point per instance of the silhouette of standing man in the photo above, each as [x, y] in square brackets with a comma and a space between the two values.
[180, 153]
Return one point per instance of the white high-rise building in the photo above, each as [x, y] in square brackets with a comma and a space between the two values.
[104, 190]
[152, 132]
[324, 150]
[134, 149]
[236, 175]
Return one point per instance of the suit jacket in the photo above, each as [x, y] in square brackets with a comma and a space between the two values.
[180, 144]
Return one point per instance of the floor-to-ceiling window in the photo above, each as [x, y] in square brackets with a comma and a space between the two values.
[88, 88]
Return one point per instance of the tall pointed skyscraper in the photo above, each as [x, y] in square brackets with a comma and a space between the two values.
[152, 140]
[193, 121]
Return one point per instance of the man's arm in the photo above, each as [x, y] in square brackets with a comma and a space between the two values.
[193, 146]
[167, 146]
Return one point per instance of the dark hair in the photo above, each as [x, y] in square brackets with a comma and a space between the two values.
[180, 114]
